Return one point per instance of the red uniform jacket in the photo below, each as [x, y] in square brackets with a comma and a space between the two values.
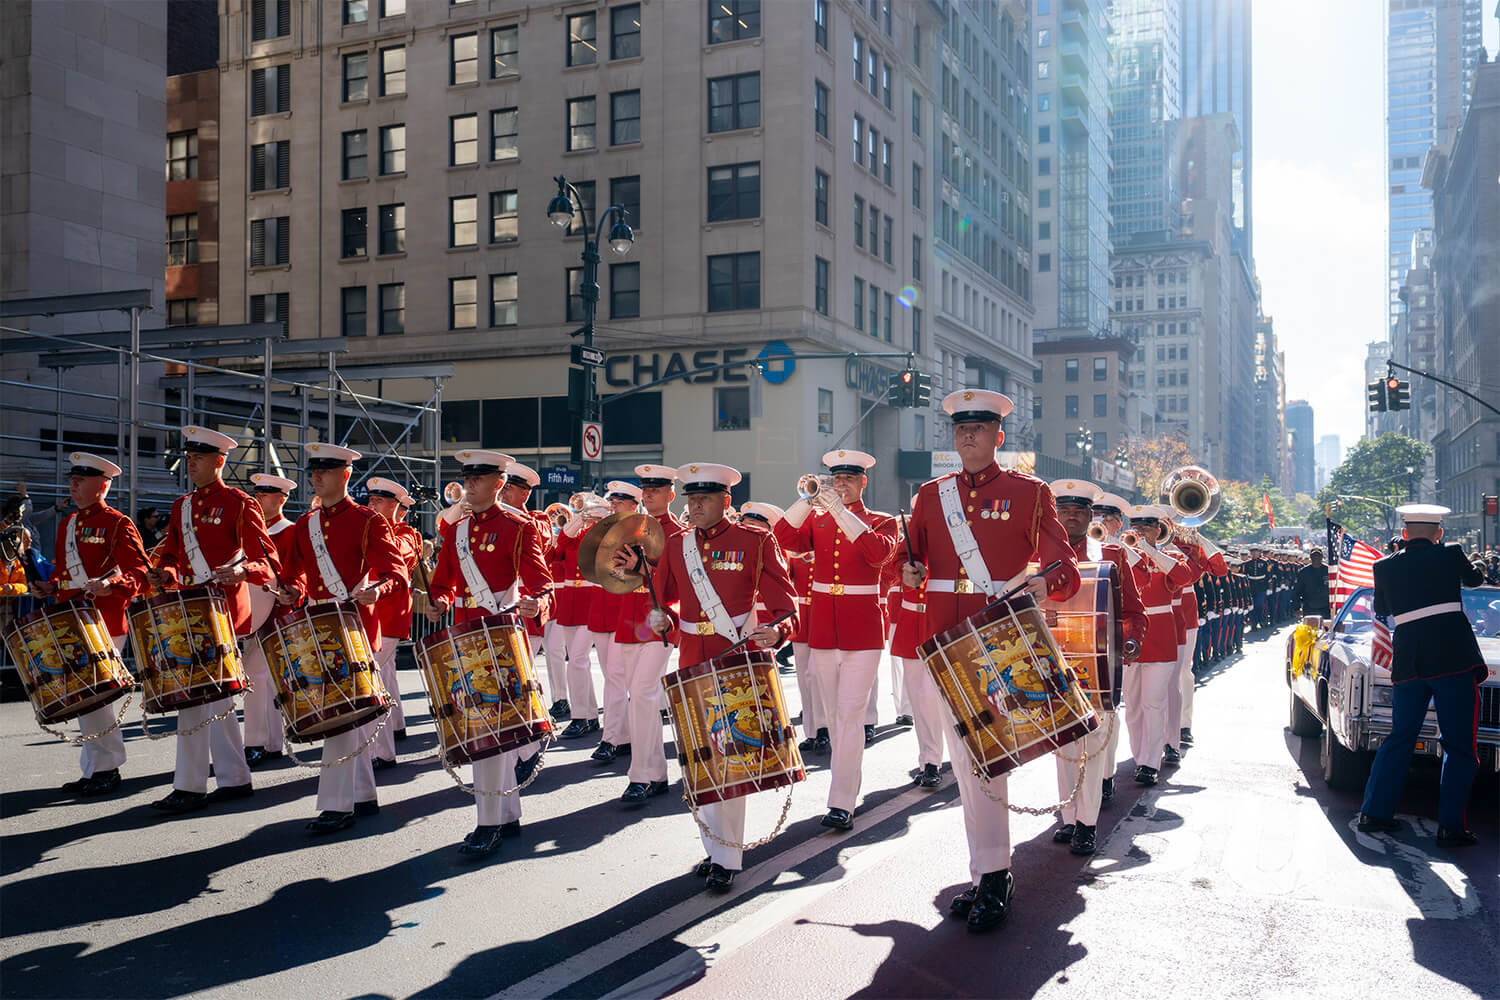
[1188, 598]
[636, 605]
[107, 540]
[1163, 631]
[1031, 533]
[846, 611]
[226, 521]
[1128, 600]
[575, 595]
[800, 564]
[506, 546]
[361, 545]
[394, 609]
[911, 622]
[744, 564]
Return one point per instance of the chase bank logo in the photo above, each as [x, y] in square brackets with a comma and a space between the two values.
[777, 362]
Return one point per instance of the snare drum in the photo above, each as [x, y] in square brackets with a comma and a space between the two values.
[67, 662]
[325, 675]
[481, 688]
[1089, 632]
[732, 728]
[185, 648]
[1012, 694]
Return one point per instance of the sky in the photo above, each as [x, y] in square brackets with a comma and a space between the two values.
[1320, 212]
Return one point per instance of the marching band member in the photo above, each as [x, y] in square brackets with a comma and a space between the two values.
[264, 732]
[849, 544]
[99, 556]
[1203, 558]
[489, 560]
[717, 570]
[572, 637]
[971, 532]
[1109, 511]
[1256, 572]
[1158, 576]
[643, 655]
[1075, 508]
[920, 702]
[604, 621]
[392, 501]
[343, 551]
[890, 582]
[215, 533]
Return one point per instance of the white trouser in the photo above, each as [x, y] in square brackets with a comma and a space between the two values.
[807, 689]
[1085, 806]
[900, 699]
[1112, 746]
[1172, 728]
[385, 658]
[643, 664]
[1146, 709]
[577, 639]
[557, 661]
[727, 821]
[352, 781]
[107, 752]
[872, 707]
[924, 703]
[1189, 685]
[220, 739]
[616, 694]
[986, 822]
[497, 774]
[263, 726]
[845, 678]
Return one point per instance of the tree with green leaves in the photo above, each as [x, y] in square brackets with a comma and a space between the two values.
[1242, 516]
[1377, 476]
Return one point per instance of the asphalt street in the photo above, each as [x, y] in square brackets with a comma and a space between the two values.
[1240, 875]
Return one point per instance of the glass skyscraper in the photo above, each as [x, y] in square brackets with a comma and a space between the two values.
[1216, 77]
[1145, 103]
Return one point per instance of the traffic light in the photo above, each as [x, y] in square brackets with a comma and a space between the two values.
[898, 393]
[921, 390]
[1377, 396]
[1397, 394]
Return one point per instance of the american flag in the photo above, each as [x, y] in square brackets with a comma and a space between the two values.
[1354, 565]
[1380, 644]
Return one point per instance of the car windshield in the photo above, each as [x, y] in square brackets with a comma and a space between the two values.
[1482, 605]
[1357, 615]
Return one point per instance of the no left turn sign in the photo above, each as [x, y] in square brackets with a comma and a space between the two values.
[592, 441]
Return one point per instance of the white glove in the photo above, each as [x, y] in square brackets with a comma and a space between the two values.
[658, 620]
[849, 523]
[830, 500]
[797, 513]
[575, 526]
[1163, 562]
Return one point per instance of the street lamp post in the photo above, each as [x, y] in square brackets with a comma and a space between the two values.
[560, 212]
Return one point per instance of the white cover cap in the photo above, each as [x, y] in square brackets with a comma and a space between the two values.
[86, 463]
[322, 451]
[1114, 500]
[266, 480]
[1079, 488]
[969, 405]
[1423, 513]
[707, 477]
[767, 511]
[378, 486]
[474, 460]
[617, 489]
[848, 460]
[522, 473]
[206, 440]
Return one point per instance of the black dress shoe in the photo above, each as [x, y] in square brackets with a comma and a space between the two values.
[382, 764]
[484, 841]
[665, 717]
[527, 767]
[511, 829]
[719, 878]
[824, 744]
[905, 720]
[806, 746]
[1109, 789]
[639, 791]
[1455, 838]
[1375, 824]
[1145, 775]
[560, 710]
[256, 756]
[869, 735]
[1185, 737]
[1083, 840]
[78, 784]
[961, 904]
[330, 821]
[102, 783]
[579, 728]
[181, 802]
[702, 868]
[400, 734]
[370, 808]
[605, 752]
[228, 793]
[992, 901]
[1170, 756]
[1063, 834]
[622, 749]
[838, 819]
[929, 778]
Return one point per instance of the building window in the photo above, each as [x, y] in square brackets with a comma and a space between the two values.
[583, 209]
[859, 59]
[182, 312]
[820, 197]
[392, 309]
[734, 192]
[462, 303]
[820, 108]
[859, 304]
[859, 141]
[504, 300]
[1044, 133]
[270, 19]
[885, 84]
[270, 308]
[825, 411]
[886, 248]
[354, 230]
[916, 186]
[1044, 230]
[890, 316]
[463, 224]
[1101, 369]
[1043, 262]
[916, 113]
[463, 58]
[392, 8]
[182, 156]
[731, 20]
[463, 140]
[625, 32]
[734, 281]
[916, 258]
[1070, 370]
[624, 290]
[734, 102]
[572, 282]
[270, 242]
[270, 165]
[357, 76]
[1044, 198]
[872, 142]
[581, 38]
[732, 409]
[916, 330]
[859, 222]
[393, 228]
[504, 134]
[1070, 406]
[271, 90]
[820, 24]
[1044, 166]
[874, 244]
[1043, 69]
[182, 239]
[874, 312]
[352, 311]
[504, 217]
[1101, 404]
[624, 117]
[626, 192]
[820, 285]
[581, 123]
[885, 163]
[393, 71]
[505, 52]
[356, 155]
[393, 149]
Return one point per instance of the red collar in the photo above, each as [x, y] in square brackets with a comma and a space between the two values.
[343, 504]
[724, 525]
[988, 474]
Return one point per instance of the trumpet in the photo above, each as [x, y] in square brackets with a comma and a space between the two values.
[1097, 531]
[816, 490]
[1130, 539]
[558, 514]
[456, 496]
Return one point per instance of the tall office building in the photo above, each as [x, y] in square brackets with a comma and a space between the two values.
[1299, 432]
[1145, 104]
[1432, 51]
[1329, 454]
[1216, 69]
[1269, 420]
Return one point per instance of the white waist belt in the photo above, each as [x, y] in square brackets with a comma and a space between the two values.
[575, 583]
[843, 589]
[918, 608]
[1427, 612]
[1160, 609]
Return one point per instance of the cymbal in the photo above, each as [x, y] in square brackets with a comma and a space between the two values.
[596, 552]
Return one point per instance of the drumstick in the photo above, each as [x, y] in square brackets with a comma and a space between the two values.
[1012, 592]
[906, 537]
[746, 641]
[540, 594]
[640, 554]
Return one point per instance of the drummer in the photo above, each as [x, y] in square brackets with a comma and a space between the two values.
[263, 728]
[1080, 816]
[393, 501]
[999, 520]
[733, 566]
[215, 533]
[343, 551]
[99, 556]
[849, 544]
[515, 493]
[491, 559]
[604, 620]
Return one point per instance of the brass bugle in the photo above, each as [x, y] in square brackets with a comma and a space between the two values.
[1097, 531]
[1193, 493]
[1129, 538]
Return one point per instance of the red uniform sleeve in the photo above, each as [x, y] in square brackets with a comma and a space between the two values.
[1181, 574]
[878, 544]
[445, 574]
[383, 561]
[794, 539]
[531, 565]
[130, 558]
[262, 560]
[774, 588]
[171, 554]
[1132, 610]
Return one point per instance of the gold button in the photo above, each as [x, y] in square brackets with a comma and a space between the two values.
[835, 576]
[973, 493]
[971, 508]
